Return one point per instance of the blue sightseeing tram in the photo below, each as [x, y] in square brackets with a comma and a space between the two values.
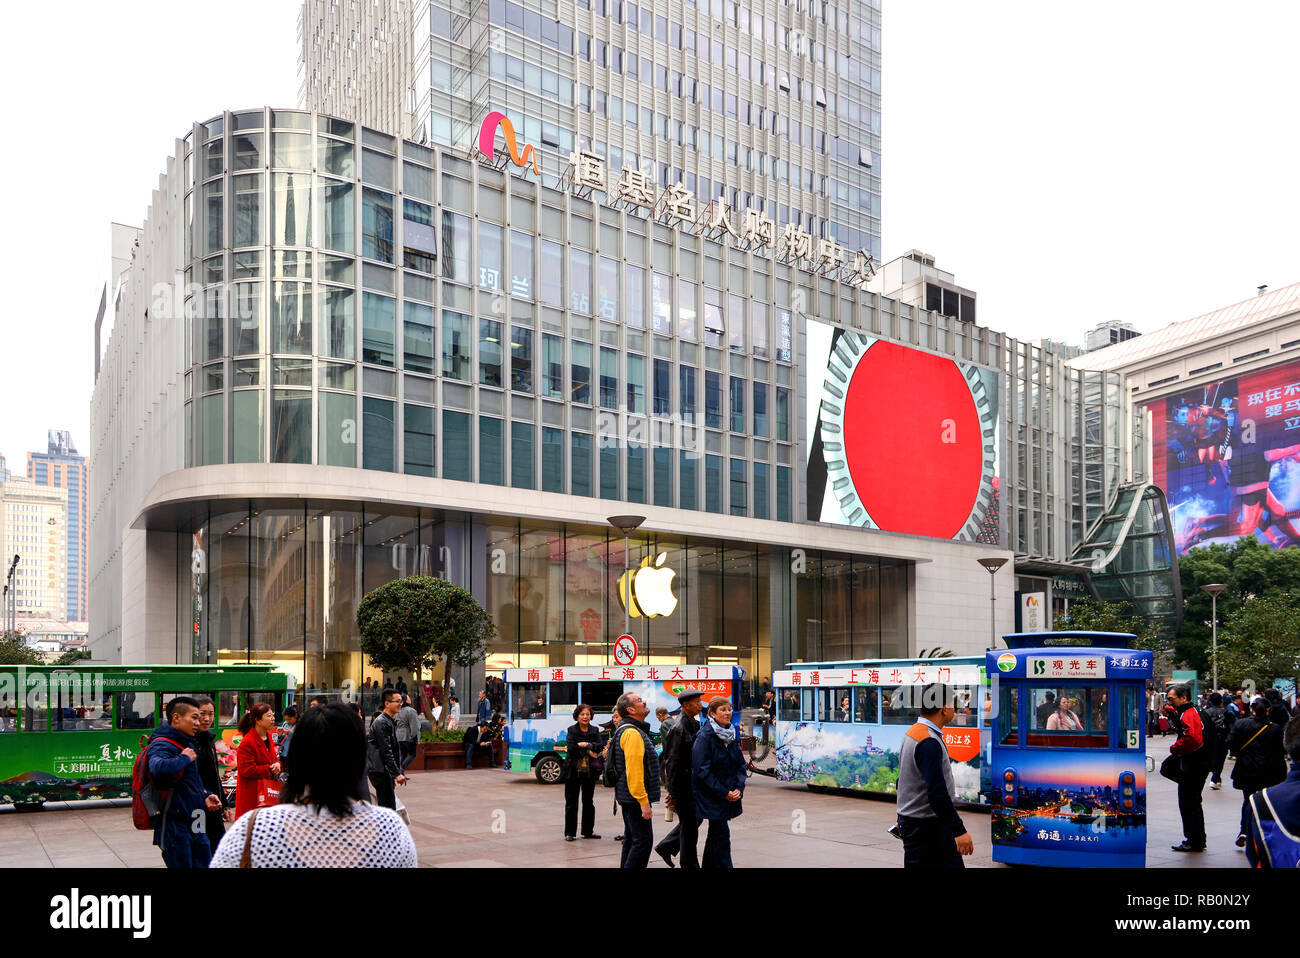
[840, 725]
[1068, 750]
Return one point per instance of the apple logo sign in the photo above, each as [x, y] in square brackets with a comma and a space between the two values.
[651, 588]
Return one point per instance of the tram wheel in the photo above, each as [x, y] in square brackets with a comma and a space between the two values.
[549, 770]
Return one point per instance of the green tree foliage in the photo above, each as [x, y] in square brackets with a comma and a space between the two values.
[14, 651]
[1092, 615]
[416, 622]
[71, 657]
[1249, 569]
[1260, 641]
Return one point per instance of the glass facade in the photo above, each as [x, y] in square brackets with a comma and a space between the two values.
[283, 586]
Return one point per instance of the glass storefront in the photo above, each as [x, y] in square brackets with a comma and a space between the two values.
[283, 583]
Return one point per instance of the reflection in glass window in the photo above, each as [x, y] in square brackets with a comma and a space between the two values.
[521, 359]
[866, 704]
[377, 329]
[551, 277]
[1008, 715]
[714, 328]
[1077, 716]
[521, 265]
[686, 392]
[419, 248]
[417, 351]
[712, 399]
[134, 710]
[739, 488]
[337, 216]
[491, 255]
[291, 426]
[337, 443]
[760, 410]
[246, 318]
[609, 378]
[335, 157]
[687, 469]
[213, 209]
[291, 317]
[760, 491]
[788, 708]
[529, 701]
[418, 446]
[491, 352]
[635, 472]
[782, 413]
[661, 303]
[75, 711]
[686, 310]
[291, 209]
[900, 704]
[735, 321]
[338, 322]
[377, 168]
[247, 220]
[635, 383]
[247, 148]
[580, 372]
[609, 463]
[377, 225]
[552, 366]
[292, 150]
[758, 328]
[455, 345]
[580, 277]
[663, 387]
[608, 299]
[634, 296]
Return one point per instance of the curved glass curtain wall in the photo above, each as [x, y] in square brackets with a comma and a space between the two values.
[1131, 553]
[357, 300]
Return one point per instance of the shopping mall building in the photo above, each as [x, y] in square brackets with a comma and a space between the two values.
[338, 357]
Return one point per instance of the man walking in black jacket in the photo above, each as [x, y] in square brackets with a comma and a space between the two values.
[685, 836]
[210, 772]
[382, 764]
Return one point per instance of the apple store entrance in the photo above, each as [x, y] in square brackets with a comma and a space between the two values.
[280, 582]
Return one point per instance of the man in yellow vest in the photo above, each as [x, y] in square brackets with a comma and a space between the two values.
[933, 833]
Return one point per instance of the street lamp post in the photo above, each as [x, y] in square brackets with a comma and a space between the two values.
[993, 565]
[1214, 588]
[626, 525]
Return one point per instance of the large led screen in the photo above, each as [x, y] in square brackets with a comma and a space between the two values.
[901, 440]
[1228, 457]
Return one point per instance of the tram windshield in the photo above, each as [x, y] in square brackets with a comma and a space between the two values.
[1073, 716]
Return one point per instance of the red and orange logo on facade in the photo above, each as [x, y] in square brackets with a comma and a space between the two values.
[487, 138]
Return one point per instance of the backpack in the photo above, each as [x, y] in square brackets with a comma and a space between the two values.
[148, 802]
[1216, 718]
[609, 774]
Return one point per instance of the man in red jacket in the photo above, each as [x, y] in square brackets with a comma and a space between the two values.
[1194, 766]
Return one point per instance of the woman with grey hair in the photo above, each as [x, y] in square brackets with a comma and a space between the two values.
[718, 774]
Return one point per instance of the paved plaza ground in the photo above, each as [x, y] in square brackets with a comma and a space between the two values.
[489, 818]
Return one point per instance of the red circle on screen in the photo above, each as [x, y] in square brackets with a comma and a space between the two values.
[912, 441]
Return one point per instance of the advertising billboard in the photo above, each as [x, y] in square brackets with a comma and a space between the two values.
[1228, 457]
[901, 440]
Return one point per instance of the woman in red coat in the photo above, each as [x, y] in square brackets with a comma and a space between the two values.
[256, 757]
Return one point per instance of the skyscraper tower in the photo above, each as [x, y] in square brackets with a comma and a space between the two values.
[769, 104]
[60, 466]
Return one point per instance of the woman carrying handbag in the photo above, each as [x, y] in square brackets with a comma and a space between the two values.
[257, 775]
[1261, 760]
[582, 766]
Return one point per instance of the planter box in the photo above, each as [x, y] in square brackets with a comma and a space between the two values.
[449, 756]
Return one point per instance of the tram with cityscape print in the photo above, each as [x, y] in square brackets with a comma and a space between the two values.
[840, 725]
[541, 703]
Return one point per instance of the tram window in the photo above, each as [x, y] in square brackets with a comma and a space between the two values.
[900, 704]
[76, 710]
[136, 710]
[601, 696]
[1008, 715]
[867, 707]
[1130, 719]
[228, 709]
[8, 719]
[35, 720]
[836, 705]
[168, 696]
[808, 705]
[529, 701]
[273, 699]
[964, 705]
[564, 697]
[1069, 716]
[788, 710]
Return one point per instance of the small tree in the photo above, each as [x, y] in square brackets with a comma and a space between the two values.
[71, 657]
[14, 651]
[1260, 641]
[414, 623]
[1093, 615]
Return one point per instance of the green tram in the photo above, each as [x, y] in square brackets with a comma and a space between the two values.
[72, 732]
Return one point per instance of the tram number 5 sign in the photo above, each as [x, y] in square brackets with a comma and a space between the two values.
[625, 649]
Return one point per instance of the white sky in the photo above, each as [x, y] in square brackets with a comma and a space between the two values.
[1070, 163]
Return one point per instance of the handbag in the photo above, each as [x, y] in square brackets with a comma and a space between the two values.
[1171, 768]
[268, 792]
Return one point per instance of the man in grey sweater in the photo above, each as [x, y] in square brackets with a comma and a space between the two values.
[933, 833]
[408, 732]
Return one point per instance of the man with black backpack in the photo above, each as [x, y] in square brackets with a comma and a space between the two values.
[181, 830]
[1219, 724]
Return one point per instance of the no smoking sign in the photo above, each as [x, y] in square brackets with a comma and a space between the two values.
[625, 649]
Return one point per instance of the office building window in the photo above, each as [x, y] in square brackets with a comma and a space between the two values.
[456, 461]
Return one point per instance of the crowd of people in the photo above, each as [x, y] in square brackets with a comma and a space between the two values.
[320, 789]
